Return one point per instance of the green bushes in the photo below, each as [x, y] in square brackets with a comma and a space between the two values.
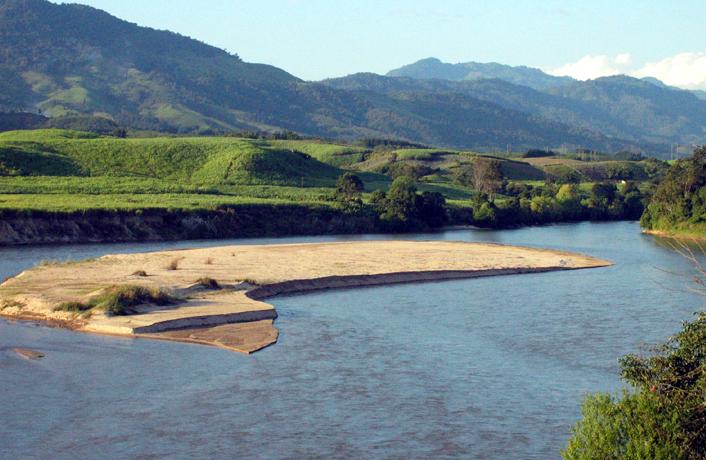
[403, 209]
[120, 300]
[629, 427]
[530, 205]
[663, 417]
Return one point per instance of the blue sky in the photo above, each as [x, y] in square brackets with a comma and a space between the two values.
[315, 39]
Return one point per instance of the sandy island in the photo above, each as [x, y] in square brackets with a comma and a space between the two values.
[234, 316]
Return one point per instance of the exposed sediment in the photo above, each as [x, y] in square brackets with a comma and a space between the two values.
[235, 316]
[241, 221]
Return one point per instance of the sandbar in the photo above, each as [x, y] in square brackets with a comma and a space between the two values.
[235, 316]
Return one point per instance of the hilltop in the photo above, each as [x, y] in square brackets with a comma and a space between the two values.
[433, 68]
[81, 66]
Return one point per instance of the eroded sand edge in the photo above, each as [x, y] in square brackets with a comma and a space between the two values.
[235, 316]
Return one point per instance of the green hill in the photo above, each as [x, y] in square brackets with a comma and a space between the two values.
[204, 161]
[63, 170]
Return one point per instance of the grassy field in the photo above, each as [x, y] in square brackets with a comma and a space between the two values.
[204, 160]
[65, 170]
[332, 154]
[59, 202]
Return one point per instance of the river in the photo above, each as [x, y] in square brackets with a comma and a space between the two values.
[481, 368]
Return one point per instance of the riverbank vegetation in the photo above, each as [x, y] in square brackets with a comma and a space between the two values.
[679, 202]
[662, 416]
[119, 300]
[61, 171]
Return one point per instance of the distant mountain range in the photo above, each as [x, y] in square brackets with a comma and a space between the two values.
[76, 64]
[620, 107]
[433, 68]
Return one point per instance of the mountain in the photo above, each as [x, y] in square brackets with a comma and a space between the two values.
[700, 94]
[432, 68]
[656, 81]
[74, 62]
[645, 110]
[74, 59]
[620, 107]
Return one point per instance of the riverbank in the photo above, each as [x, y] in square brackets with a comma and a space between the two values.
[141, 225]
[218, 293]
[693, 235]
[38, 227]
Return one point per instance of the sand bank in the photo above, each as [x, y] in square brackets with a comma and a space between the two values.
[235, 316]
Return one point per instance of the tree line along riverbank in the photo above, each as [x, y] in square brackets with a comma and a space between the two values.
[69, 186]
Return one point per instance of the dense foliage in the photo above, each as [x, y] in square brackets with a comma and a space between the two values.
[403, 209]
[531, 205]
[349, 191]
[679, 202]
[662, 417]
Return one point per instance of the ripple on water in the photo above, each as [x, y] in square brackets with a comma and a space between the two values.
[484, 368]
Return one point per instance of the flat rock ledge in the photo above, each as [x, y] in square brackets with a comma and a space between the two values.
[233, 315]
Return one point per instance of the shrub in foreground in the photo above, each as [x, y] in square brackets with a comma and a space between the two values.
[663, 417]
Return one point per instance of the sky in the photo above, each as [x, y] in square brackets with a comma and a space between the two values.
[316, 39]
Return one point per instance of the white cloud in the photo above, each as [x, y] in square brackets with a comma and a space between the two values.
[685, 70]
[590, 67]
[623, 59]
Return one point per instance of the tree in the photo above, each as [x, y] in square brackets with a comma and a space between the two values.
[349, 190]
[633, 205]
[567, 192]
[602, 195]
[431, 208]
[487, 176]
[569, 200]
[678, 199]
[401, 200]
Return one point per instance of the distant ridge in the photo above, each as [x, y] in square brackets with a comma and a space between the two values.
[431, 68]
[77, 63]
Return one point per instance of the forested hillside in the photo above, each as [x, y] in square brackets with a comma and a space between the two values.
[84, 68]
[648, 115]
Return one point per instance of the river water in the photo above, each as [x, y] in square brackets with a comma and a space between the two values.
[482, 368]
